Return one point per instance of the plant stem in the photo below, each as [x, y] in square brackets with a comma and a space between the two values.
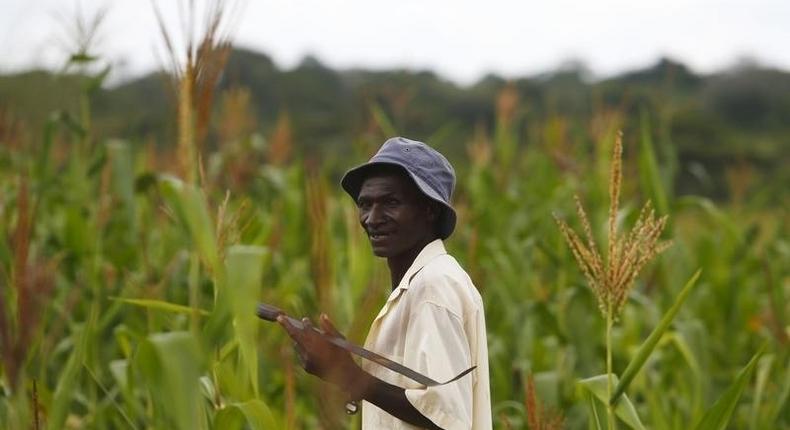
[36, 423]
[609, 407]
[193, 281]
[186, 129]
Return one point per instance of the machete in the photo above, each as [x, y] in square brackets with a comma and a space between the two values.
[270, 313]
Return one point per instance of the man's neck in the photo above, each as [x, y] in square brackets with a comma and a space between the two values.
[400, 264]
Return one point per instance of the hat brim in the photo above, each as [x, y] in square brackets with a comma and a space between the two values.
[352, 184]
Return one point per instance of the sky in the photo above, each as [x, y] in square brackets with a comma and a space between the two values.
[460, 39]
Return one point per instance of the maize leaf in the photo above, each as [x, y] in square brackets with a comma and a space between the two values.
[244, 269]
[650, 343]
[624, 409]
[170, 365]
[717, 417]
[254, 413]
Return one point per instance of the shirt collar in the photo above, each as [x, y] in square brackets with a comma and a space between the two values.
[428, 253]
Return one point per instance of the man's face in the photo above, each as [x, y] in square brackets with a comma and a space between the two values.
[396, 216]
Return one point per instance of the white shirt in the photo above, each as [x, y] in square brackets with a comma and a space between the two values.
[433, 322]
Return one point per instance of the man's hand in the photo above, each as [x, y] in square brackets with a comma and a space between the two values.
[334, 364]
[321, 358]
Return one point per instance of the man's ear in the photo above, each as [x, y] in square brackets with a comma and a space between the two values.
[433, 210]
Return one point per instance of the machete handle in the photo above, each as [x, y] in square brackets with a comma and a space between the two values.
[268, 312]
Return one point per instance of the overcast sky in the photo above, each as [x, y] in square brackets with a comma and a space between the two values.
[459, 39]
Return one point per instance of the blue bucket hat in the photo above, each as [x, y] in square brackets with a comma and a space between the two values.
[429, 170]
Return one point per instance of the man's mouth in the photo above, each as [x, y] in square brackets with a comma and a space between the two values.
[378, 236]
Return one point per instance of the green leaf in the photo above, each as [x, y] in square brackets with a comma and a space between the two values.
[254, 413]
[189, 204]
[170, 365]
[122, 174]
[779, 404]
[244, 270]
[647, 347]
[78, 235]
[382, 120]
[717, 417]
[67, 387]
[721, 219]
[678, 340]
[119, 370]
[121, 237]
[161, 305]
[597, 412]
[82, 57]
[95, 82]
[763, 370]
[648, 169]
[624, 409]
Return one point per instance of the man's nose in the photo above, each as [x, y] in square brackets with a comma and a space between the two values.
[375, 216]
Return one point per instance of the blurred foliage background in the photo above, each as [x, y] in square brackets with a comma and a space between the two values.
[731, 121]
[139, 224]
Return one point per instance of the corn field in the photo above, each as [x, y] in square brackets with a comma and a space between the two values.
[130, 272]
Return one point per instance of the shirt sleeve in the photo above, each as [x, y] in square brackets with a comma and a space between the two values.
[437, 346]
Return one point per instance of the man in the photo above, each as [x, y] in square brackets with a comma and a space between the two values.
[433, 320]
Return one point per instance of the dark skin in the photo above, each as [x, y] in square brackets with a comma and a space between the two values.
[399, 221]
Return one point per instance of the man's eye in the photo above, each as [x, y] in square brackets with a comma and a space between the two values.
[392, 202]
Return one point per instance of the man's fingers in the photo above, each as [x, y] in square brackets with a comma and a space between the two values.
[300, 353]
[297, 335]
[328, 327]
[291, 329]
